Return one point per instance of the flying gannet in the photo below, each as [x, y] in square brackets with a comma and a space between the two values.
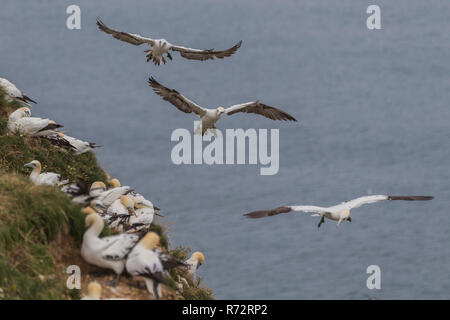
[94, 291]
[194, 262]
[338, 212]
[14, 94]
[209, 117]
[159, 47]
[108, 252]
[45, 178]
[20, 121]
[144, 261]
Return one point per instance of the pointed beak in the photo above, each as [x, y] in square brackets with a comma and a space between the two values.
[157, 212]
[29, 165]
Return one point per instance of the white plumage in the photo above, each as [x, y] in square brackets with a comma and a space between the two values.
[20, 121]
[108, 252]
[13, 93]
[340, 212]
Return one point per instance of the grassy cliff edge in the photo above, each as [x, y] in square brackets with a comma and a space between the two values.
[41, 229]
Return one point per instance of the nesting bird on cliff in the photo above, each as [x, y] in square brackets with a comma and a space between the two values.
[161, 47]
[144, 260]
[20, 121]
[14, 94]
[339, 213]
[107, 252]
[209, 117]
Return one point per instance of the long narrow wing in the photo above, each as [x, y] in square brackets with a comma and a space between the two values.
[125, 36]
[358, 202]
[261, 109]
[196, 54]
[176, 98]
[279, 210]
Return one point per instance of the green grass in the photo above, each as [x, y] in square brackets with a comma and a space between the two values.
[33, 217]
[30, 219]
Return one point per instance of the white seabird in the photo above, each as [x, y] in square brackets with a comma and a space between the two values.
[108, 252]
[339, 213]
[20, 121]
[194, 262]
[14, 94]
[78, 146]
[45, 178]
[107, 197]
[94, 291]
[144, 261]
[119, 212]
[159, 47]
[143, 215]
[209, 117]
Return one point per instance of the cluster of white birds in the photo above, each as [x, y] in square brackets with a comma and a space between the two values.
[21, 121]
[135, 249]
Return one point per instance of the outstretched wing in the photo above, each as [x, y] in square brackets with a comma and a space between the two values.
[196, 54]
[358, 202]
[176, 98]
[273, 212]
[125, 36]
[261, 109]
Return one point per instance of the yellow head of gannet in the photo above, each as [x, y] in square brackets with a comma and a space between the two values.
[88, 210]
[94, 290]
[127, 202]
[199, 257]
[92, 218]
[26, 112]
[114, 183]
[220, 110]
[150, 240]
[35, 164]
[60, 134]
[98, 185]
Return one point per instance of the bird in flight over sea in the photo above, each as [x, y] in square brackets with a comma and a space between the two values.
[159, 47]
[209, 117]
[14, 94]
[339, 213]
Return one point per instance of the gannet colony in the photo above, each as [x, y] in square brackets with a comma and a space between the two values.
[132, 248]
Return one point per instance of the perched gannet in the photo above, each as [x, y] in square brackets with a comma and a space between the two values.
[21, 121]
[94, 291]
[46, 178]
[159, 47]
[108, 252]
[14, 94]
[119, 212]
[97, 188]
[209, 117]
[338, 212]
[144, 261]
[143, 215]
[107, 197]
[19, 113]
[67, 142]
[194, 262]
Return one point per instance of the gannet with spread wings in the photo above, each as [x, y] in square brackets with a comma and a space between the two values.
[159, 47]
[338, 212]
[209, 117]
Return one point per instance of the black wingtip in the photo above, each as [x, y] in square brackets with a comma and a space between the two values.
[411, 198]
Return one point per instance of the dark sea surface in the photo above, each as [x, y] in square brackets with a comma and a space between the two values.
[374, 118]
